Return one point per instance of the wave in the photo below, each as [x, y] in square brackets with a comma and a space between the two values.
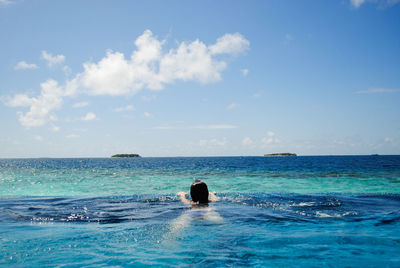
[264, 208]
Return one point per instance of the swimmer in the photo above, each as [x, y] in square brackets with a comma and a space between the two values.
[200, 210]
[199, 194]
[201, 197]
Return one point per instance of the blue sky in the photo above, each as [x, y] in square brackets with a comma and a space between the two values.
[199, 78]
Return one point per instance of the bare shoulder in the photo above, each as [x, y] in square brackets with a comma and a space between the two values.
[182, 196]
[213, 197]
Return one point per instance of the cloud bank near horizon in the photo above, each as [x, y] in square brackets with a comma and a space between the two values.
[148, 67]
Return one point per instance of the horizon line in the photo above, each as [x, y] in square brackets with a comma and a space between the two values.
[199, 156]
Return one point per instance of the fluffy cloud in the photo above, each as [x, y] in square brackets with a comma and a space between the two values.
[124, 109]
[231, 106]
[72, 136]
[388, 140]
[244, 72]
[270, 139]
[6, 2]
[288, 38]
[55, 128]
[257, 95]
[191, 61]
[22, 65]
[198, 127]
[230, 44]
[247, 141]
[357, 3]
[41, 107]
[39, 138]
[89, 117]
[213, 142]
[148, 98]
[148, 67]
[216, 127]
[80, 104]
[113, 75]
[52, 60]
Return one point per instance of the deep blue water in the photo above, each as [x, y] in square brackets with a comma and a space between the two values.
[339, 211]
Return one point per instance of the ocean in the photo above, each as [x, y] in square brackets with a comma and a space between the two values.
[334, 211]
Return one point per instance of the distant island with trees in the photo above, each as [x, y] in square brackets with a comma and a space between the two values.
[125, 155]
[281, 154]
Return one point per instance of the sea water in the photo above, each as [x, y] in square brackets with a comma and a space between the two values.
[274, 211]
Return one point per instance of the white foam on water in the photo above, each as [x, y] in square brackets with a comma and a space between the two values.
[320, 214]
[303, 204]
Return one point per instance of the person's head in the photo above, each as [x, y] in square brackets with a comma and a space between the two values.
[199, 191]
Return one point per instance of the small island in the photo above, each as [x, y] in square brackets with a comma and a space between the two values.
[125, 155]
[281, 154]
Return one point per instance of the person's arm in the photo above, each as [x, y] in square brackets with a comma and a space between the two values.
[182, 196]
[213, 197]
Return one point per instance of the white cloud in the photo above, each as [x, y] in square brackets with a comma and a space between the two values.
[215, 127]
[378, 90]
[72, 136]
[165, 127]
[190, 62]
[357, 3]
[89, 117]
[39, 138]
[80, 104]
[288, 38]
[230, 44]
[113, 75]
[388, 140]
[124, 109]
[20, 100]
[257, 95]
[67, 70]
[52, 60]
[55, 128]
[148, 67]
[213, 142]
[247, 141]
[6, 2]
[231, 106]
[22, 65]
[244, 72]
[148, 98]
[147, 114]
[41, 107]
[198, 127]
[149, 48]
[270, 139]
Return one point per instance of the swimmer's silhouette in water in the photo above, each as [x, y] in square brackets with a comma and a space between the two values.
[199, 210]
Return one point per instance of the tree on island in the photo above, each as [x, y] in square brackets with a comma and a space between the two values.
[281, 154]
[126, 155]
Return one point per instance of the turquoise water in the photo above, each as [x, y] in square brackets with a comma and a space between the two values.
[103, 176]
[290, 211]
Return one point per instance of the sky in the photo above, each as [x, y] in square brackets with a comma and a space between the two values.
[199, 78]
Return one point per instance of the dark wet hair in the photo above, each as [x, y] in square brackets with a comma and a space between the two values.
[199, 192]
